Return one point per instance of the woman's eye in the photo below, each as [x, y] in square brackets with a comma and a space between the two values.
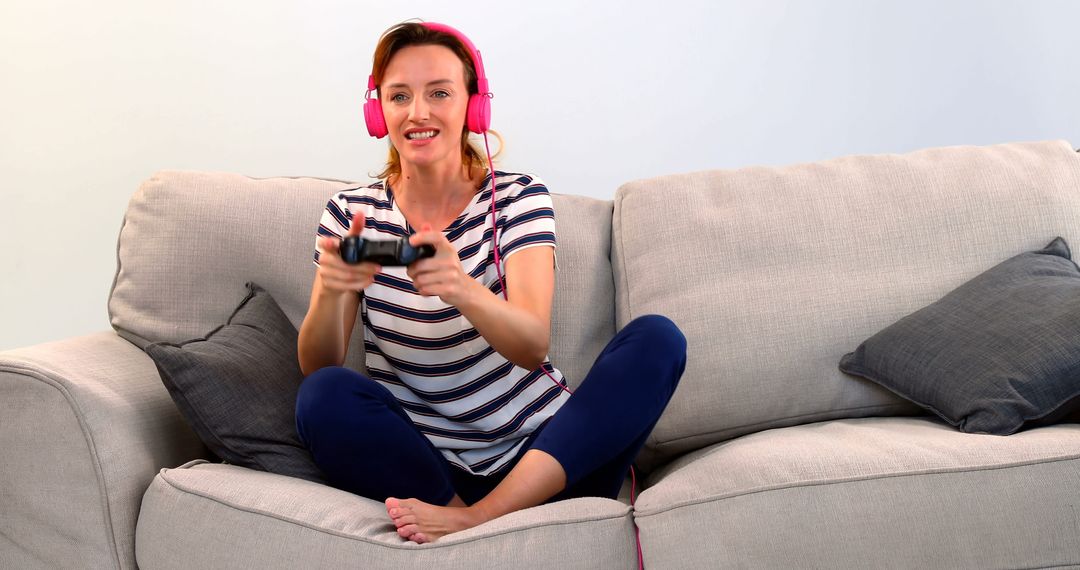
[398, 97]
[440, 94]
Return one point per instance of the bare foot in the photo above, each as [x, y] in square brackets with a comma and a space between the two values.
[422, 522]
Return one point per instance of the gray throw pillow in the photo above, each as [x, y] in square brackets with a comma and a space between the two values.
[999, 353]
[237, 388]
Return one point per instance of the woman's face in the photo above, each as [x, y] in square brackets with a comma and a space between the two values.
[424, 101]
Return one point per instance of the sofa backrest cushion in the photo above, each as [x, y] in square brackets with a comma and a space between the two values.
[191, 240]
[773, 274]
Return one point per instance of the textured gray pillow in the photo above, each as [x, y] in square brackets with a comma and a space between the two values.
[999, 353]
[237, 388]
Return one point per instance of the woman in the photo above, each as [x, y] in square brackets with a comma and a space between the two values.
[461, 418]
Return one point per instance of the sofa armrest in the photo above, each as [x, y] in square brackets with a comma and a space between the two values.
[85, 425]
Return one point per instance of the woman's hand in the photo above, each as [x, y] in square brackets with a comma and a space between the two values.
[518, 328]
[441, 275]
[339, 277]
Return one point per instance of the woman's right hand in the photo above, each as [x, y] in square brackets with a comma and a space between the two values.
[339, 277]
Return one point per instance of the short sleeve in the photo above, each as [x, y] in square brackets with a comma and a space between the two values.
[334, 223]
[529, 218]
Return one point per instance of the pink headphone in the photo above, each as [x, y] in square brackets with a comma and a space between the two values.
[478, 116]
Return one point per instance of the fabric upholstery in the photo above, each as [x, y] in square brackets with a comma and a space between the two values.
[774, 273]
[85, 424]
[583, 310]
[237, 387]
[191, 240]
[868, 493]
[997, 353]
[233, 517]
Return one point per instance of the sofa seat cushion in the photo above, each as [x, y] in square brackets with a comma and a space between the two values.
[868, 493]
[206, 515]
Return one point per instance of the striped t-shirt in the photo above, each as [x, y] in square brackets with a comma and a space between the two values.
[470, 401]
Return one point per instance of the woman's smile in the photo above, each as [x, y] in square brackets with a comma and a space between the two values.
[421, 136]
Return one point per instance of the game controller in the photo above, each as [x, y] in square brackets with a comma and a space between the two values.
[355, 249]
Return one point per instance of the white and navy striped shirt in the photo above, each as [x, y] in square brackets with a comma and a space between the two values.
[470, 401]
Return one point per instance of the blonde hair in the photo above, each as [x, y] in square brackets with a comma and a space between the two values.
[414, 34]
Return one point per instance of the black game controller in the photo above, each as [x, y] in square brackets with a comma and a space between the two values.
[355, 249]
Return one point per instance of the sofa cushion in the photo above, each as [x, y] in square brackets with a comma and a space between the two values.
[997, 353]
[190, 240]
[221, 516]
[774, 273]
[868, 493]
[237, 388]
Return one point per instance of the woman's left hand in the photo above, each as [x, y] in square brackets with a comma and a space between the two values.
[441, 275]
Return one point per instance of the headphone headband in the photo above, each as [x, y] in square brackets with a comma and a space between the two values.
[478, 62]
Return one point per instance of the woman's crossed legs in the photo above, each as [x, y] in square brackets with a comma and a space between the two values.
[366, 444]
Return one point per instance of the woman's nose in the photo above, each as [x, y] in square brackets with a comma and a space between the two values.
[419, 109]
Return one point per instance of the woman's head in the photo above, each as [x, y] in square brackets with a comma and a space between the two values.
[424, 78]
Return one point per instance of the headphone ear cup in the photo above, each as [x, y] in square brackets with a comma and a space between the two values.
[373, 116]
[478, 117]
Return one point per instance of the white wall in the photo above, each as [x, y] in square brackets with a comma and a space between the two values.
[94, 97]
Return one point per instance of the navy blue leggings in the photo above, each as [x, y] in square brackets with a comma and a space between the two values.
[365, 443]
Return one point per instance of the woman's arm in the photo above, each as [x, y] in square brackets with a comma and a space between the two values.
[324, 334]
[519, 329]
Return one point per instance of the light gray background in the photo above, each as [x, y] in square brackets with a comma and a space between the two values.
[96, 96]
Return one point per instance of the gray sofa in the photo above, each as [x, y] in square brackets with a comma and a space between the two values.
[768, 456]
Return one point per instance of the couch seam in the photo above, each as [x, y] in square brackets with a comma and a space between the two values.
[116, 274]
[433, 545]
[904, 404]
[617, 208]
[298, 177]
[40, 374]
[839, 481]
[186, 172]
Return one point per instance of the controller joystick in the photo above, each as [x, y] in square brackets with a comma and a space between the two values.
[355, 249]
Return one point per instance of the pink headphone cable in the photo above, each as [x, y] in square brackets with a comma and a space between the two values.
[498, 271]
